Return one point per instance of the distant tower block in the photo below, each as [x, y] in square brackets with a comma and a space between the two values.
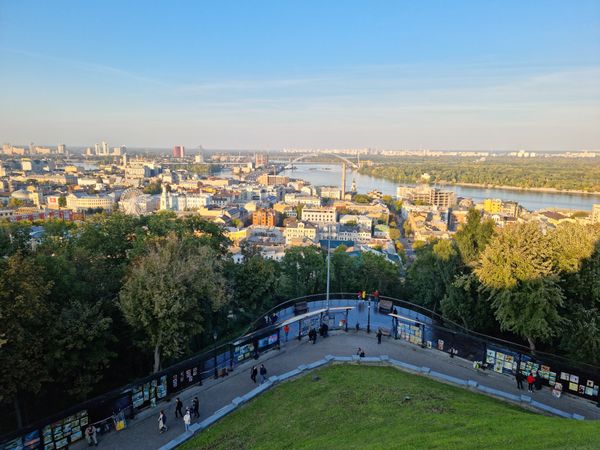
[343, 180]
[353, 188]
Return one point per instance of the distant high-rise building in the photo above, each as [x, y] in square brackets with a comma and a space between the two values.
[596, 213]
[261, 159]
[60, 149]
[105, 150]
[178, 151]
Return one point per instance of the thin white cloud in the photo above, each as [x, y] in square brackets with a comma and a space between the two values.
[90, 67]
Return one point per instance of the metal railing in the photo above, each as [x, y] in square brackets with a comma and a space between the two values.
[204, 362]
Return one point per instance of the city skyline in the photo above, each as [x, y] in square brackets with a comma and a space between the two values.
[269, 76]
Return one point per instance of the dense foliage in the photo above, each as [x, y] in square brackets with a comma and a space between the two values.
[542, 287]
[92, 306]
[549, 173]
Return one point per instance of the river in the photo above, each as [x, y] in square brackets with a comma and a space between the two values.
[331, 175]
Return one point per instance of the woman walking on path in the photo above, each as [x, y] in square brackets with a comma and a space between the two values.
[162, 422]
[253, 373]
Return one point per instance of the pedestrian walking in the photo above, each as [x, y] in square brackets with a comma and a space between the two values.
[519, 377]
[312, 335]
[379, 334]
[196, 407]
[90, 436]
[187, 419]
[162, 422]
[253, 373]
[530, 382]
[178, 408]
[557, 391]
[360, 352]
[263, 373]
[286, 330]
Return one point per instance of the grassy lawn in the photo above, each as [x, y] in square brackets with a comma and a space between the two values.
[357, 407]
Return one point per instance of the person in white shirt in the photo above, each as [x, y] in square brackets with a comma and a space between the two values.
[187, 419]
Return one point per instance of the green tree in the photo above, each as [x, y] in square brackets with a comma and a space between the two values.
[24, 319]
[170, 293]
[465, 303]
[361, 198]
[517, 268]
[62, 201]
[254, 285]
[472, 238]
[302, 272]
[432, 272]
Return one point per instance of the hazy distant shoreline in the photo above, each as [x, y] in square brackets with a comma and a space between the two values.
[516, 188]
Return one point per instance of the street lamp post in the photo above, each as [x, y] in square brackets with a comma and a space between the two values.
[328, 264]
[215, 354]
[369, 316]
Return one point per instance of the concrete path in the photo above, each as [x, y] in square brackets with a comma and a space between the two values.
[142, 432]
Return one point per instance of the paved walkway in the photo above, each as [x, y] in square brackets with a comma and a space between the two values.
[142, 432]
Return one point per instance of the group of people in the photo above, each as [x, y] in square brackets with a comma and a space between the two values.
[192, 411]
[362, 295]
[323, 332]
[254, 372]
[533, 380]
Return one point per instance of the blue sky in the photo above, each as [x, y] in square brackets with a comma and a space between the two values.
[383, 74]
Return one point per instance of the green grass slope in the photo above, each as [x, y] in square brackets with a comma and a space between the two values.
[358, 407]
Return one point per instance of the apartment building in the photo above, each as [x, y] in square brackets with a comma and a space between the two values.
[320, 215]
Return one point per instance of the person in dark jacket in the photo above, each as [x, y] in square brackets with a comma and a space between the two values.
[312, 335]
[253, 373]
[519, 378]
[379, 334]
[263, 373]
[178, 407]
[196, 407]
[538, 380]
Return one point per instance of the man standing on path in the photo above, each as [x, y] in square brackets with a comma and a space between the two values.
[253, 374]
[187, 419]
[263, 373]
[196, 407]
[178, 408]
[519, 378]
[286, 330]
[379, 334]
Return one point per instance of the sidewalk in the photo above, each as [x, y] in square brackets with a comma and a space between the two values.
[142, 432]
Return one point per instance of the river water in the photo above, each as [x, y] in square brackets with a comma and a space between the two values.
[331, 175]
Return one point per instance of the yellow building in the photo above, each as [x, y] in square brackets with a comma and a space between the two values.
[237, 235]
[492, 206]
[71, 169]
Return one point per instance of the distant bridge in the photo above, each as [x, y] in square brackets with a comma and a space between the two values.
[310, 155]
